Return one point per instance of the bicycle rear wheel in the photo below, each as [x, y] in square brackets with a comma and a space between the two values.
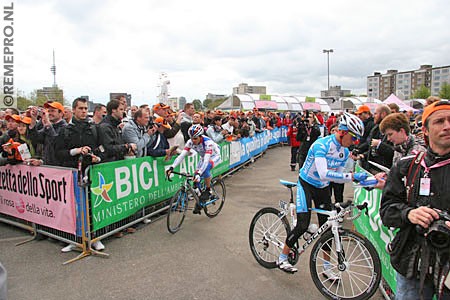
[357, 270]
[267, 235]
[178, 207]
[214, 206]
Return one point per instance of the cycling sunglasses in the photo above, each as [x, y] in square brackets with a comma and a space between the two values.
[355, 138]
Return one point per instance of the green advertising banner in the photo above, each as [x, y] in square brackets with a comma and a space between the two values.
[224, 166]
[372, 228]
[265, 97]
[120, 189]
[310, 99]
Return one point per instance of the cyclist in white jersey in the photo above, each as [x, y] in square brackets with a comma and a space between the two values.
[209, 153]
[324, 163]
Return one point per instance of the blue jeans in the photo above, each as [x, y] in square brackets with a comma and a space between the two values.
[409, 289]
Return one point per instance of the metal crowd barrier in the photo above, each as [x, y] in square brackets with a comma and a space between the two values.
[85, 234]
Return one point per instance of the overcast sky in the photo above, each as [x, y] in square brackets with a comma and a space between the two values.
[212, 46]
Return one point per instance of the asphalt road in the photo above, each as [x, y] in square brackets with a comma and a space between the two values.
[206, 259]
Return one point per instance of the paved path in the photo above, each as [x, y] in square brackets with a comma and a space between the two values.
[207, 259]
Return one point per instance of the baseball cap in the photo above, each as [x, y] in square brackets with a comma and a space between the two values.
[14, 117]
[362, 109]
[435, 106]
[161, 122]
[160, 106]
[54, 104]
[24, 120]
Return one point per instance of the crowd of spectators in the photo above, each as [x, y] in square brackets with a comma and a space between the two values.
[58, 135]
[132, 132]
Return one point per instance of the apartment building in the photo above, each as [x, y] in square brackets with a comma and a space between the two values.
[405, 83]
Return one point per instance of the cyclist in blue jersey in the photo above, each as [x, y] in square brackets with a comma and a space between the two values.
[209, 157]
[324, 163]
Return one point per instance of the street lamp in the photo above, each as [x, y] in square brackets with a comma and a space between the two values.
[328, 65]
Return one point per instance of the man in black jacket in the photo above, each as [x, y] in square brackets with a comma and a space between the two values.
[416, 186]
[47, 129]
[365, 115]
[377, 148]
[111, 135]
[308, 133]
[79, 138]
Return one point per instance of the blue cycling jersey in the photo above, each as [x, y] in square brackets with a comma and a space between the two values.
[325, 162]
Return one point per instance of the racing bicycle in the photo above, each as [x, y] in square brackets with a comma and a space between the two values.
[353, 258]
[189, 195]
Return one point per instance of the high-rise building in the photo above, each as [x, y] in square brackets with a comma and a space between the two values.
[405, 83]
[439, 76]
[244, 88]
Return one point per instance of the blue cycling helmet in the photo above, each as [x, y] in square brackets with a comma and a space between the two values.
[351, 123]
[195, 130]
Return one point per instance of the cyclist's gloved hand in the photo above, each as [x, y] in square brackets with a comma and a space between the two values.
[197, 177]
[169, 171]
[360, 176]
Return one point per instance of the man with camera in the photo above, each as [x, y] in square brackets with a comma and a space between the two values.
[47, 129]
[416, 199]
[79, 140]
[308, 132]
[111, 134]
[376, 148]
[140, 131]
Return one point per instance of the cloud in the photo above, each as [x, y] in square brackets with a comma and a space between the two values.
[122, 46]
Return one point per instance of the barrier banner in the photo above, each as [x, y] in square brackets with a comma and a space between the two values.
[372, 228]
[224, 166]
[236, 152]
[40, 195]
[119, 189]
[276, 135]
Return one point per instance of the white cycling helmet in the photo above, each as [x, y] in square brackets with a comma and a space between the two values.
[352, 123]
[195, 130]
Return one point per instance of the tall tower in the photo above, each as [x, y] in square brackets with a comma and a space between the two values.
[163, 83]
[53, 70]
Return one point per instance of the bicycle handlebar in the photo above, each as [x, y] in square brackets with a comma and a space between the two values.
[346, 206]
[189, 176]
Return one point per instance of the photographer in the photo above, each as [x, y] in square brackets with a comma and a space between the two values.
[308, 133]
[377, 148]
[140, 131]
[416, 188]
[47, 129]
[79, 138]
[111, 135]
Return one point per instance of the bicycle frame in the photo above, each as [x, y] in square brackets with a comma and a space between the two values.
[333, 223]
[188, 186]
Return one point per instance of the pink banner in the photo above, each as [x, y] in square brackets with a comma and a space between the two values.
[41, 195]
[310, 106]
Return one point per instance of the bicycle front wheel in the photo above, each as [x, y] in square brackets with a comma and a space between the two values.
[355, 273]
[178, 207]
[214, 206]
[267, 235]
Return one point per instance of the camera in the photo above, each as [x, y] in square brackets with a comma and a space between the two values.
[40, 111]
[438, 234]
[150, 123]
[355, 152]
